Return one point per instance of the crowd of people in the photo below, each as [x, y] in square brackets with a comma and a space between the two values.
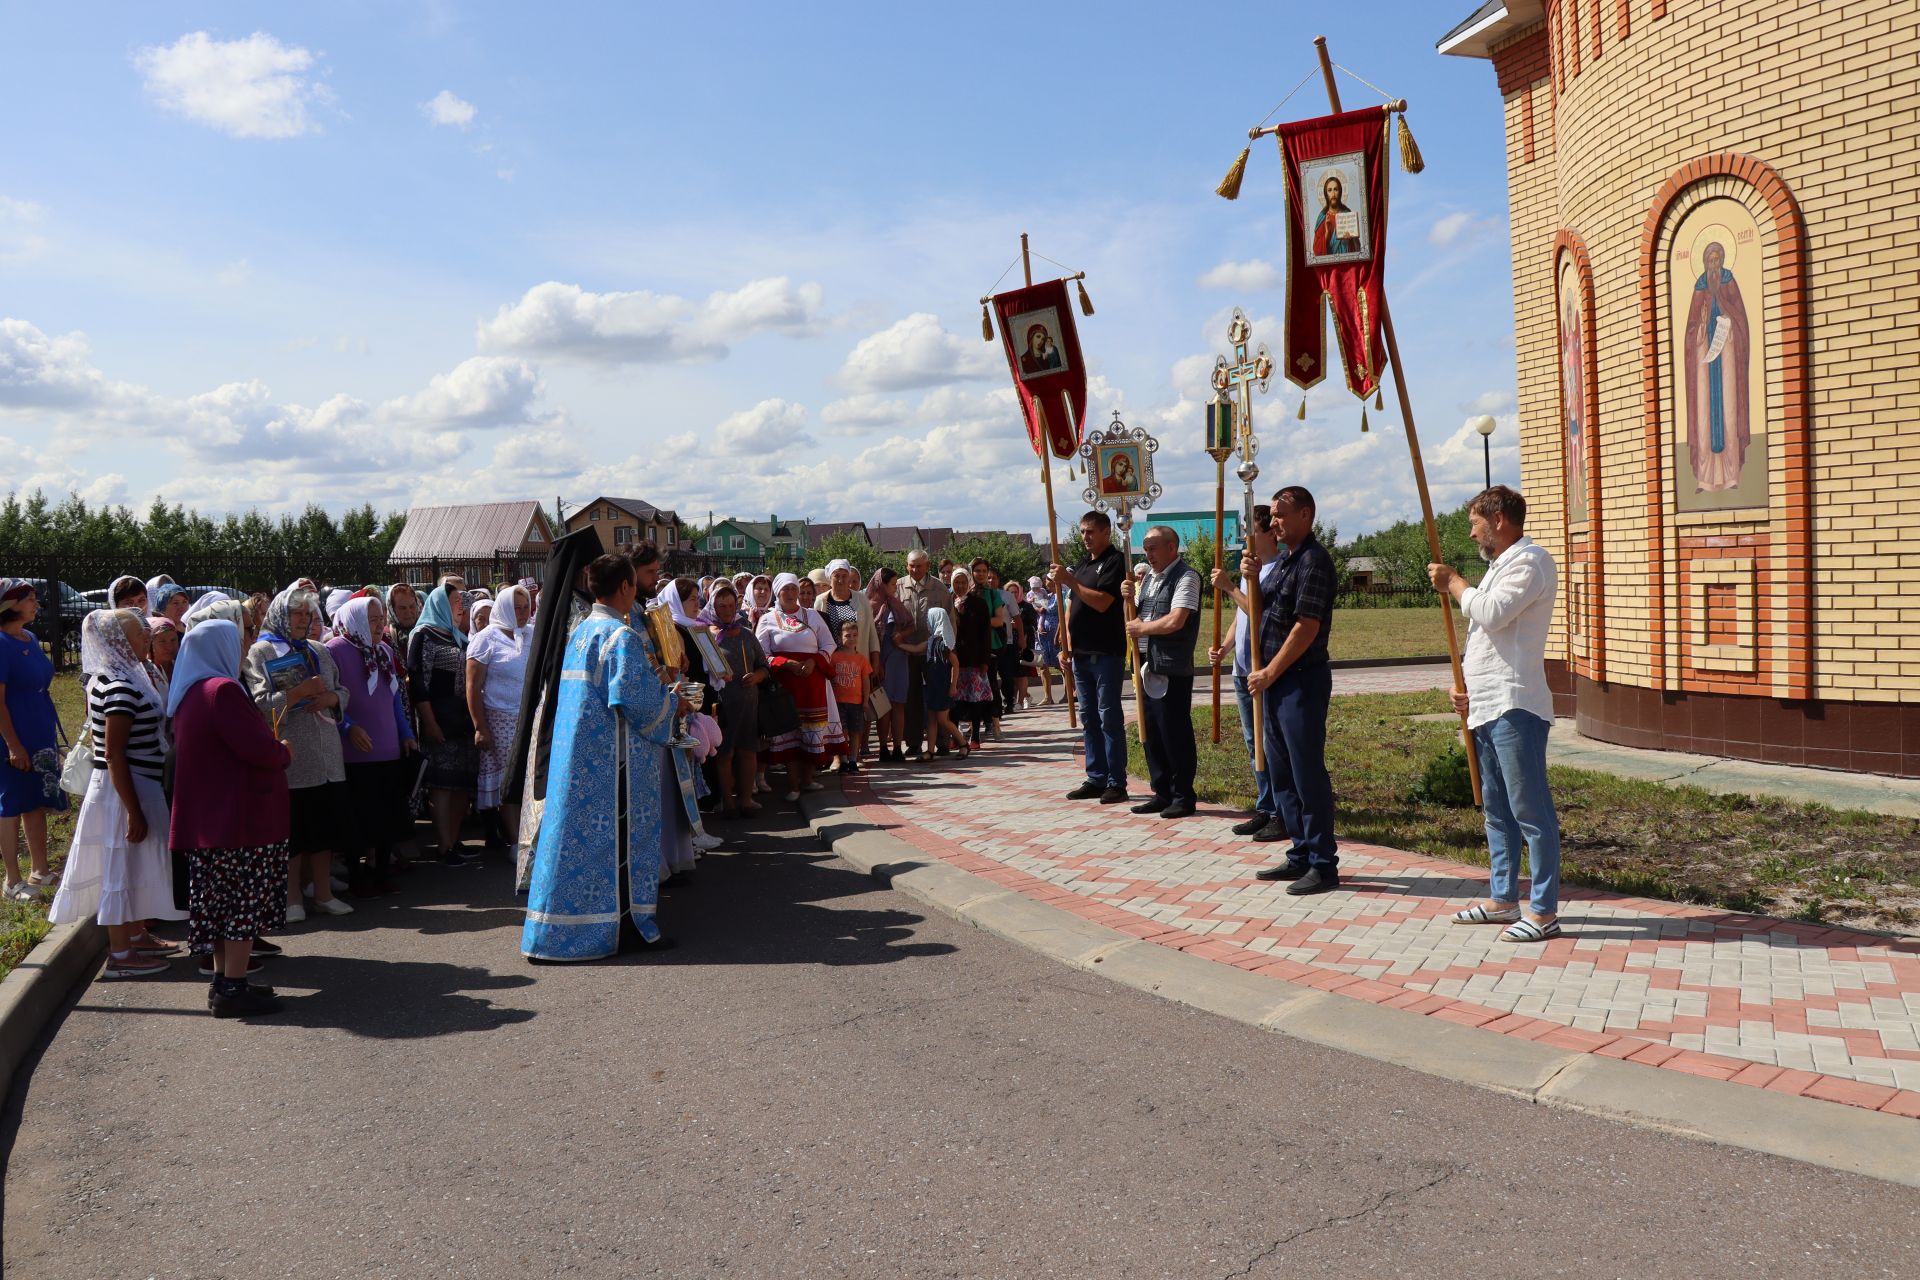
[250, 763]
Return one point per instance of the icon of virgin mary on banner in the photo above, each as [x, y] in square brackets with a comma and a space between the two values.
[1043, 353]
[1336, 173]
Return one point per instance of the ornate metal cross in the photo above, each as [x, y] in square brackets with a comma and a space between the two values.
[1244, 375]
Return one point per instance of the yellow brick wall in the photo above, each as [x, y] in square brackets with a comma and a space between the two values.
[1828, 95]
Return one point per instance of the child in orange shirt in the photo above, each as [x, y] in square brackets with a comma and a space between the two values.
[852, 685]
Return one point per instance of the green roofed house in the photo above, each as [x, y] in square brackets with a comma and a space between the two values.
[755, 539]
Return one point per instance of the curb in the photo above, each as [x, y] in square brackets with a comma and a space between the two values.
[39, 985]
[1850, 1139]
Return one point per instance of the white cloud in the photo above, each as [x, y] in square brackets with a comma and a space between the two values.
[864, 412]
[1489, 402]
[484, 391]
[446, 109]
[1460, 227]
[250, 88]
[566, 322]
[20, 236]
[914, 352]
[768, 428]
[1243, 276]
[39, 372]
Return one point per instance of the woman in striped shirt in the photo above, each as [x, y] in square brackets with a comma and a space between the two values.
[118, 867]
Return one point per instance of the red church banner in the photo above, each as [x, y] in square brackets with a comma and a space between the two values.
[1336, 171]
[1043, 352]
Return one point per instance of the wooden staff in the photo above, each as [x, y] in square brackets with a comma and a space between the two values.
[1253, 639]
[1419, 468]
[1219, 558]
[1053, 523]
[1133, 648]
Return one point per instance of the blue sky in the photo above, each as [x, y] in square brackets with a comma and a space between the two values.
[719, 257]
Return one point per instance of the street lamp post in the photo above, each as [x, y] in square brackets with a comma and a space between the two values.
[1484, 424]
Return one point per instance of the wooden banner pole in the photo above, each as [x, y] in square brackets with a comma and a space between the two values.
[1133, 648]
[1253, 637]
[1053, 524]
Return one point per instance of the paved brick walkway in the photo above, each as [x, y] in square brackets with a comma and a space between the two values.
[1827, 1013]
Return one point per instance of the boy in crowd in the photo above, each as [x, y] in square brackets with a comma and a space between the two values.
[852, 686]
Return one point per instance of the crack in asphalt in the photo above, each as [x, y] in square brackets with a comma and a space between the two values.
[1341, 1220]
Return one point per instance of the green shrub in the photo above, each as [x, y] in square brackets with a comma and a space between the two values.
[1446, 782]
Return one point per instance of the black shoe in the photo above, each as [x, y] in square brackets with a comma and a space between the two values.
[1178, 809]
[913, 755]
[1274, 830]
[1088, 790]
[851, 766]
[1315, 881]
[1251, 825]
[241, 1002]
[1285, 871]
[1154, 805]
[261, 947]
[1114, 795]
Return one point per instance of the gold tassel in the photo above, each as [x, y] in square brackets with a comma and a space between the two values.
[1363, 419]
[1302, 415]
[1230, 185]
[1410, 158]
[986, 324]
[1379, 396]
[1086, 303]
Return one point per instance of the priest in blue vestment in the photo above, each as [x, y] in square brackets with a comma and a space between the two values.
[597, 861]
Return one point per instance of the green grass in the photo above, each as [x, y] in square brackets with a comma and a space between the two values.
[1744, 853]
[1359, 633]
[23, 924]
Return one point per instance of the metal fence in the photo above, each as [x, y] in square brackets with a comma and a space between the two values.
[79, 582]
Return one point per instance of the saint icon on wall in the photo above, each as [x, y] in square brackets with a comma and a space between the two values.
[1717, 389]
[1718, 346]
[1573, 388]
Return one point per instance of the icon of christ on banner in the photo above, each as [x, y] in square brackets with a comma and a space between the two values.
[1336, 209]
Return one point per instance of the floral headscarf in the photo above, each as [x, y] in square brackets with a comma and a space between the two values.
[353, 623]
[107, 654]
[277, 629]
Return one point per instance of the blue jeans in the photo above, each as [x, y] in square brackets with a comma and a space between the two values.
[1262, 785]
[1519, 808]
[1296, 708]
[1097, 678]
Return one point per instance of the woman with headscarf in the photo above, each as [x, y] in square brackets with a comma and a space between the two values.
[403, 611]
[797, 644]
[496, 677]
[811, 588]
[335, 598]
[118, 868]
[154, 584]
[481, 613]
[169, 602]
[942, 679]
[437, 672]
[127, 592]
[973, 701]
[760, 597]
[163, 648]
[1020, 620]
[296, 685]
[1046, 634]
[375, 754]
[30, 730]
[735, 766]
[229, 814]
[892, 622]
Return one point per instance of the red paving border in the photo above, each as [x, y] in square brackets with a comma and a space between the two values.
[894, 810]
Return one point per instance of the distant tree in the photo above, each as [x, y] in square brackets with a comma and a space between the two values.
[1402, 552]
[1009, 557]
[851, 547]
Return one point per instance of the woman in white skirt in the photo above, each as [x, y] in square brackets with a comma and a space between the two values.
[496, 673]
[118, 868]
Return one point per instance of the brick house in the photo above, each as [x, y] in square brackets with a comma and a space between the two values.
[625, 522]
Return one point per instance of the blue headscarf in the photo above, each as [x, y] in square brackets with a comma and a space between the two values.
[438, 612]
[157, 602]
[210, 649]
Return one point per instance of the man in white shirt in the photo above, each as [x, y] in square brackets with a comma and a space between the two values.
[1165, 631]
[1509, 708]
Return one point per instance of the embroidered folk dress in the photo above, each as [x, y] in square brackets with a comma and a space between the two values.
[611, 728]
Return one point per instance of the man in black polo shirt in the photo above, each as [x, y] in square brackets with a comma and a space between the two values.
[1095, 627]
[1166, 629]
[1295, 621]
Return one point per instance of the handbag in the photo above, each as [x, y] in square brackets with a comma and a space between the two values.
[779, 714]
[77, 770]
[882, 704]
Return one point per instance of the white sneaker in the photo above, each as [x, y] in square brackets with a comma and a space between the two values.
[296, 914]
[701, 840]
[333, 907]
[339, 885]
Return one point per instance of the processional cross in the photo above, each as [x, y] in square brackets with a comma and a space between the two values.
[1248, 372]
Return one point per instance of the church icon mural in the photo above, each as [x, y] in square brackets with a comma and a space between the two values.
[1574, 415]
[1719, 428]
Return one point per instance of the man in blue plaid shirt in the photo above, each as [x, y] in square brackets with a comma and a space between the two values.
[1295, 622]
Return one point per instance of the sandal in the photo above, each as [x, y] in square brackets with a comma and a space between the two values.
[1478, 914]
[41, 879]
[1528, 931]
[132, 964]
[148, 945]
[21, 891]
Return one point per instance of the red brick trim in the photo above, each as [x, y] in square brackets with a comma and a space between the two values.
[1593, 26]
[1692, 552]
[1574, 243]
[1795, 563]
[1556, 55]
[1659, 9]
[1573, 39]
[1623, 12]
[1517, 68]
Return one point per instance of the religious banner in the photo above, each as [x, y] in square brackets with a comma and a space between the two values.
[1043, 353]
[1336, 174]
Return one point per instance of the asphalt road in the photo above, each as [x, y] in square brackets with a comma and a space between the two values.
[821, 1082]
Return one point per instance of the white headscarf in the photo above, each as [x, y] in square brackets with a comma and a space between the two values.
[154, 584]
[505, 637]
[669, 595]
[352, 622]
[216, 604]
[834, 566]
[336, 598]
[781, 583]
[940, 623]
[106, 653]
